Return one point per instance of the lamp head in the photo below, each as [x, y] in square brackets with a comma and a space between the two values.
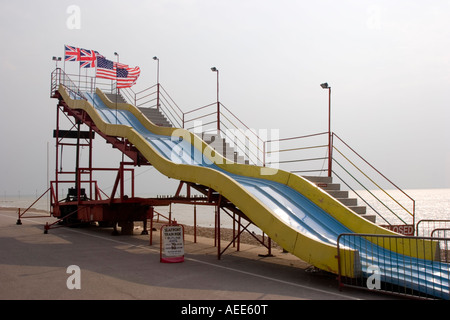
[324, 85]
[214, 69]
[155, 58]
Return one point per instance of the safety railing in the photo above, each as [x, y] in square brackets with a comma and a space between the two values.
[156, 97]
[81, 83]
[427, 227]
[303, 155]
[409, 266]
[440, 233]
[309, 155]
[216, 118]
[381, 196]
[58, 77]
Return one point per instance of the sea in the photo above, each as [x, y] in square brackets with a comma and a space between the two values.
[426, 204]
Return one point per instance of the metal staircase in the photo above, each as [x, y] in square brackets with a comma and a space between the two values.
[115, 97]
[224, 148]
[334, 190]
[156, 116]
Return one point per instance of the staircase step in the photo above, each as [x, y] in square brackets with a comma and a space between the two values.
[113, 97]
[329, 186]
[319, 179]
[224, 148]
[359, 209]
[333, 189]
[371, 218]
[348, 201]
[338, 194]
[155, 116]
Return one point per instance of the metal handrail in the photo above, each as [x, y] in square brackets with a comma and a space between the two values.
[295, 153]
[411, 213]
[226, 119]
[370, 192]
[250, 140]
[371, 180]
[60, 77]
[240, 122]
[382, 175]
[168, 95]
[299, 137]
[292, 151]
[297, 149]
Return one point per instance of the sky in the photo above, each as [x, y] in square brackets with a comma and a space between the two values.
[387, 62]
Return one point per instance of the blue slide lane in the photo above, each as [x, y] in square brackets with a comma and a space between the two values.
[299, 212]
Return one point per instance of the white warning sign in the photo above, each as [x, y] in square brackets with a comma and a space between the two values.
[172, 243]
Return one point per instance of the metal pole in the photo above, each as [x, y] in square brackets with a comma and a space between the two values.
[218, 105]
[152, 212]
[214, 69]
[157, 82]
[195, 223]
[91, 133]
[56, 154]
[218, 232]
[330, 148]
[77, 163]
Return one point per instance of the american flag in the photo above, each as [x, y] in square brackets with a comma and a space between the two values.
[88, 58]
[71, 53]
[122, 73]
[127, 77]
[105, 69]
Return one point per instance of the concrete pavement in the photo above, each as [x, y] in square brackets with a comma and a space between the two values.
[34, 265]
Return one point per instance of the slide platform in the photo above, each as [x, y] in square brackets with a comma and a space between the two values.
[296, 214]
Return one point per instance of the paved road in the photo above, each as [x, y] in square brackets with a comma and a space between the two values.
[34, 265]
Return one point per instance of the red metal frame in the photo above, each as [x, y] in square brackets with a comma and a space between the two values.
[90, 205]
[97, 208]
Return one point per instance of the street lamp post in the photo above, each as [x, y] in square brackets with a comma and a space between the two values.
[330, 148]
[157, 82]
[56, 59]
[214, 69]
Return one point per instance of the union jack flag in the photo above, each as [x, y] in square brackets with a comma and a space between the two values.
[88, 58]
[71, 53]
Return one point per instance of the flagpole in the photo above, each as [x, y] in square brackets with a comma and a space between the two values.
[95, 74]
[79, 73]
[64, 66]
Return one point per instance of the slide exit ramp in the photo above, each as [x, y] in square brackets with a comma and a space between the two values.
[295, 213]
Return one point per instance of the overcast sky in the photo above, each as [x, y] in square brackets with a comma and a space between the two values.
[388, 63]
